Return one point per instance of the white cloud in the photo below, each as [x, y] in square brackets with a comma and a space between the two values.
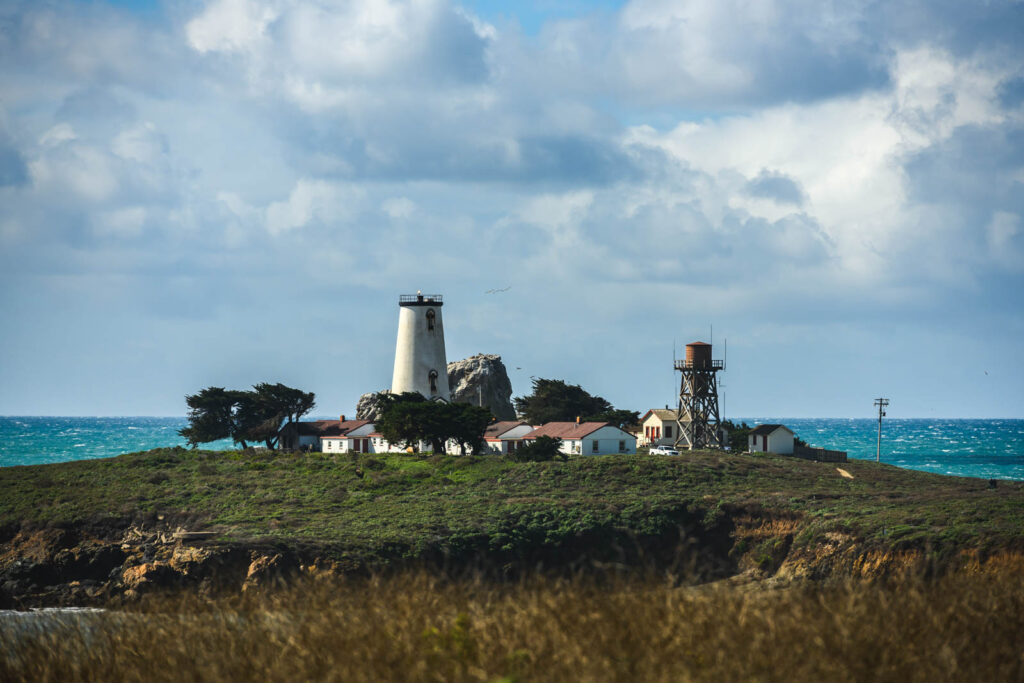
[230, 26]
[847, 154]
[124, 222]
[1006, 240]
[140, 143]
[61, 133]
[313, 200]
[80, 169]
[399, 208]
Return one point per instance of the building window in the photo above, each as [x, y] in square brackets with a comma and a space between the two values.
[657, 432]
[622, 447]
[430, 319]
[433, 381]
[595, 447]
[668, 431]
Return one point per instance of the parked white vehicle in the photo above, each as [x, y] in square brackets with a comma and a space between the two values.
[664, 450]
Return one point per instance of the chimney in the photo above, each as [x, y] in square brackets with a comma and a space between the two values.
[341, 418]
[577, 421]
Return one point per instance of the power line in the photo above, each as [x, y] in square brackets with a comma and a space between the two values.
[881, 403]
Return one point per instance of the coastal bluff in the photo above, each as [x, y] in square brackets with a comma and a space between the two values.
[116, 529]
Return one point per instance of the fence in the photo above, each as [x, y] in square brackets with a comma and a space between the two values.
[819, 454]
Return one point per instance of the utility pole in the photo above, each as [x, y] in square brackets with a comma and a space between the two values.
[881, 403]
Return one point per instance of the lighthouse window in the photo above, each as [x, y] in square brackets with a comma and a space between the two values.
[430, 320]
[433, 381]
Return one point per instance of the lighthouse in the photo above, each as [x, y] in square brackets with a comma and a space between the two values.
[420, 361]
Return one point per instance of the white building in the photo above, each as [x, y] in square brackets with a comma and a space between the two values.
[770, 439]
[503, 438]
[352, 437]
[420, 362]
[659, 428]
[586, 438]
[309, 436]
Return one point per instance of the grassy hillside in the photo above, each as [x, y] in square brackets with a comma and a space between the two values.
[381, 508]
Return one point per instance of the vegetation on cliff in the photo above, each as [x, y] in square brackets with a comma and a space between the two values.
[380, 509]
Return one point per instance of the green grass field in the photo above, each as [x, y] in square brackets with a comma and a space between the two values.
[387, 507]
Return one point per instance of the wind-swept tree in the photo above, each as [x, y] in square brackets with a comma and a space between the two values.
[244, 416]
[291, 404]
[553, 400]
[210, 416]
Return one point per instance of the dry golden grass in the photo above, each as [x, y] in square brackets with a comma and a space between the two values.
[418, 628]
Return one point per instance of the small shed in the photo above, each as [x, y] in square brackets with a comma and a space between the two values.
[771, 439]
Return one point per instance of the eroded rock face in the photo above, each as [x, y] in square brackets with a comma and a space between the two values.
[369, 406]
[482, 380]
[149, 575]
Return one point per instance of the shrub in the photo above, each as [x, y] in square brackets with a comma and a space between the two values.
[541, 449]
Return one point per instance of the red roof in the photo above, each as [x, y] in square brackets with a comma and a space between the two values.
[496, 429]
[566, 430]
[324, 428]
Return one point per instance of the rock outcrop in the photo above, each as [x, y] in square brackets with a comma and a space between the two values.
[369, 406]
[482, 380]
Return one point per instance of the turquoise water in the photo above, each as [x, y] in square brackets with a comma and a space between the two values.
[41, 440]
[991, 449]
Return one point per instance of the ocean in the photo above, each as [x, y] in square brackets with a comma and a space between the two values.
[989, 449]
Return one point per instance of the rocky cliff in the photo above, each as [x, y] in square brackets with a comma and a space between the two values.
[369, 406]
[482, 379]
[107, 566]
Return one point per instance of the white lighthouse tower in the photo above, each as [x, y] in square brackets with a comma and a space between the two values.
[420, 361]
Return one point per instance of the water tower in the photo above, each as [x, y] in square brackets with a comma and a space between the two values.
[420, 361]
[697, 417]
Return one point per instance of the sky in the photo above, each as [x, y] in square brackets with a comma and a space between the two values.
[223, 192]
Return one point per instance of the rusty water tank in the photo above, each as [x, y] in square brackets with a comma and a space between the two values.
[698, 355]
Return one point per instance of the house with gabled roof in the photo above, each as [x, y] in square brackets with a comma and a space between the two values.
[659, 427]
[329, 436]
[504, 437]
[771, 438]
[586, 438]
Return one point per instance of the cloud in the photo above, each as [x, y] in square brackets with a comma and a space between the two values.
[229, 26]
[658, 161]
[776, 186]
[312, 200]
